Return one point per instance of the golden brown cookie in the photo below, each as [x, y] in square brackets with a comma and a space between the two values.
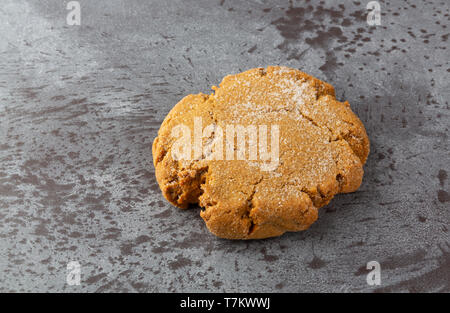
[246, 192]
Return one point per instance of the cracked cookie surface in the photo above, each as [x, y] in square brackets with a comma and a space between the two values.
[322, 149]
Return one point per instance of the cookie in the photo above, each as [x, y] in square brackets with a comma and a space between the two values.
[261, 154]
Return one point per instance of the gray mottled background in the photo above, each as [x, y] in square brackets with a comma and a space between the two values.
[81, 105]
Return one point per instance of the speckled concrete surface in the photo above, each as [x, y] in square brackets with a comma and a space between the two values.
[80, 106]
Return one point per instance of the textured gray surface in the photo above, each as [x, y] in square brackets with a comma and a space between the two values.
[80, 106]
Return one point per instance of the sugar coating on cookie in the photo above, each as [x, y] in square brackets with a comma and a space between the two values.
[321, 148]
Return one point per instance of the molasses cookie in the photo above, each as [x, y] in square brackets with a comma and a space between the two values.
[261, 154]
